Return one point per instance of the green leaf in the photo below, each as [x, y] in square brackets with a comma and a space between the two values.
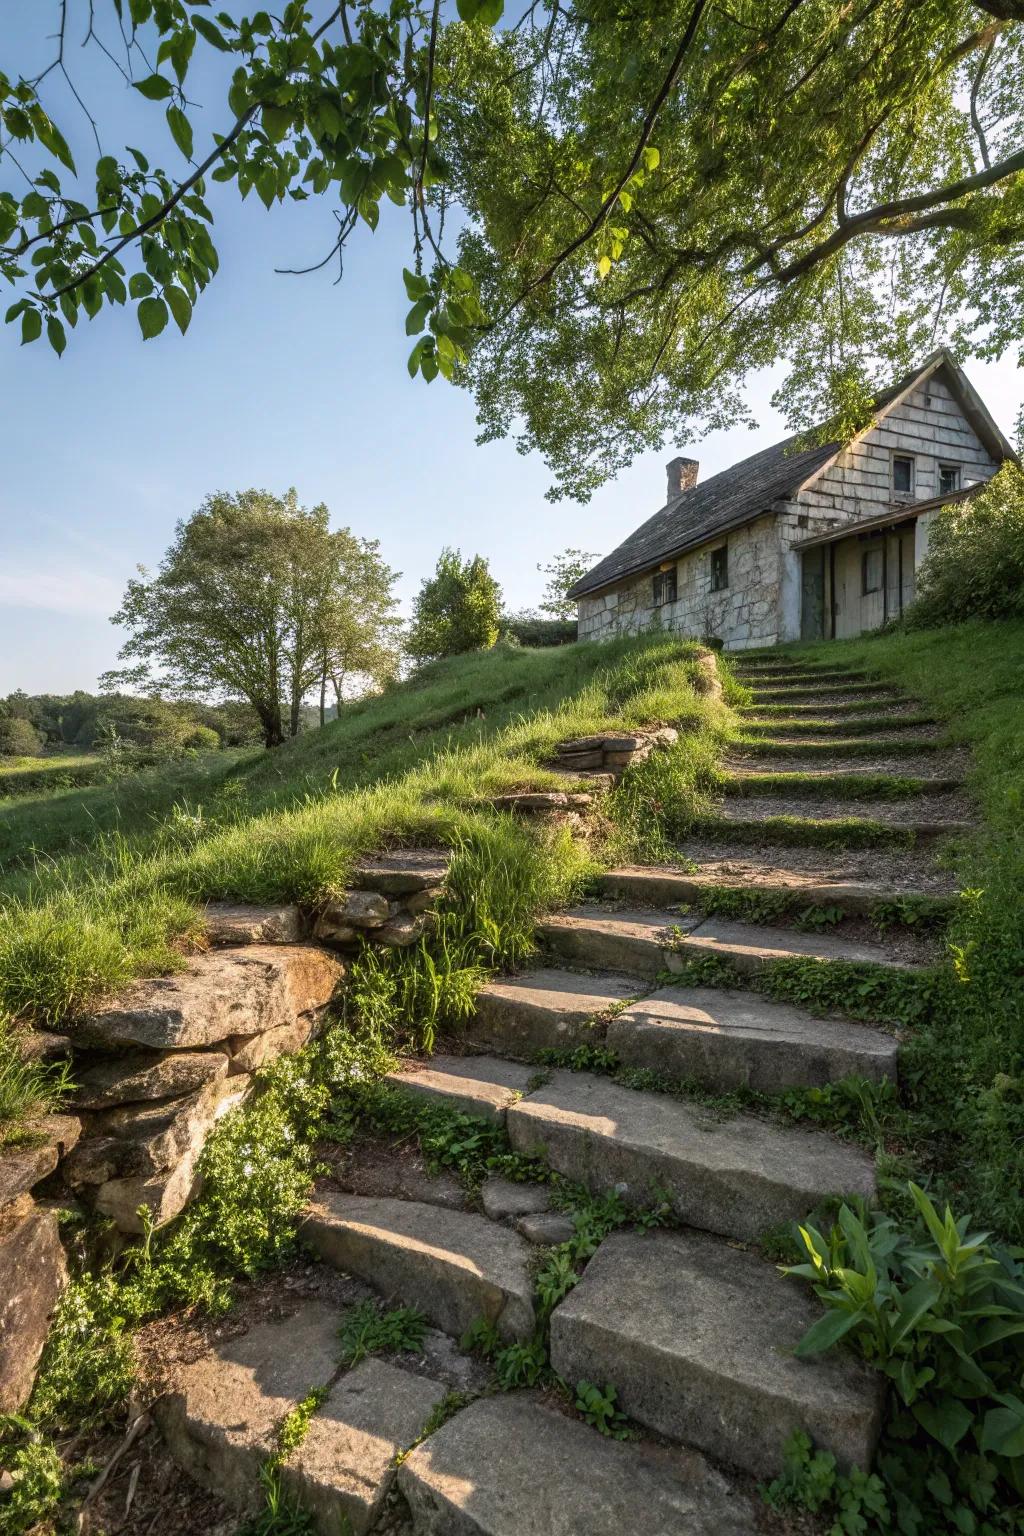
[139, 285]
[827, 1331]
[416, 287]
[1003, 1430]
[181, 130]
[946, 1421]
[152, 317]
[652, 158]
[53, 139]
[155, 88]
[31, 326]
[207, 30]
[180, 306]
[55, 334]
[416, 319]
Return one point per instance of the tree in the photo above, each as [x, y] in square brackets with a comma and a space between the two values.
[18, 737]
[647, 202]
[457, 609]
[974, 568]
[242, 606]
[361, 630]
[563, 572]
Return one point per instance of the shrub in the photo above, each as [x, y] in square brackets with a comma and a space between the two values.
[18, 738]
[939, 1309]
[457, 609]
[201, 738]
[975, 562]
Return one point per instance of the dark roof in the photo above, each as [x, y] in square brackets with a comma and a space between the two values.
[725, 501]
[738, 495]
[898, 512]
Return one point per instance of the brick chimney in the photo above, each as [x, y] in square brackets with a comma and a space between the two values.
[682, 476]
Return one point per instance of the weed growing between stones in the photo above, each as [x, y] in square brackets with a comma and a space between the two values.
[367, 1329]
[27, 1087]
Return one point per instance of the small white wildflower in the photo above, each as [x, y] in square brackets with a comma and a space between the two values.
[247, 1169]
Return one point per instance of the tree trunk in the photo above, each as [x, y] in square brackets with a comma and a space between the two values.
[337, 681]
[270, 719]
[323, 694]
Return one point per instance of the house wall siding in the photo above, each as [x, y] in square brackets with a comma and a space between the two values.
[762, 603]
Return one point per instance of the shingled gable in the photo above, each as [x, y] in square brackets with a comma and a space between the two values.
[751, 488]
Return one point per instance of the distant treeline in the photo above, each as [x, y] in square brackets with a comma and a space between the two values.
[30, 723]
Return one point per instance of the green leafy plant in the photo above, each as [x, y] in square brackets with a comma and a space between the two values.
[38, 1479]
[939, 1310]
[855, 1503]
[367, 1330]
[600, 1409]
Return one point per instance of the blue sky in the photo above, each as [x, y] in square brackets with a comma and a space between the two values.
[280, 381]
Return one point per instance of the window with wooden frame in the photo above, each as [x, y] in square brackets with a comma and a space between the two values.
[720, 568]
[664, 587]
[871, 571]
[949, 479]
[902, 474]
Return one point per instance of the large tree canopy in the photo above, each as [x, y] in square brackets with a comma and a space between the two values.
[616, 211]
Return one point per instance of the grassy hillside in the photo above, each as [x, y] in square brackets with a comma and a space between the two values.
[106, 883]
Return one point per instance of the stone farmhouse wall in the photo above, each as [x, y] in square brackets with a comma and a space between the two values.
[761, 605]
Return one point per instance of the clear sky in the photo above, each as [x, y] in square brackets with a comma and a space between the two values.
[280, 381]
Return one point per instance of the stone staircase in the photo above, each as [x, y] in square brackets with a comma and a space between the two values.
[690, 1324]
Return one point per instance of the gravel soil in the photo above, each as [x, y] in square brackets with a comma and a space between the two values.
[943, 765]
[896, 813]
[768, 864]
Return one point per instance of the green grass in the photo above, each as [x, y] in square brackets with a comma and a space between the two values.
[65, 770]
[835, 786]
[808, 832]
[962, 1065]
[113, 888]
[859, 725]
[907, 746]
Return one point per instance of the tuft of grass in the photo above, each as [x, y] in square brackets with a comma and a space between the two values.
[809, 831]
[368, 1330]
[27, 1087]
[835, 786]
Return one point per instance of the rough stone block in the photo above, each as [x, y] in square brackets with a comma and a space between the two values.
[342, 1471]
[227, 992]
[401, 873]
[703, 1352]
[235, 923]
[355, 909]
[454, 1266]
[33, 1273]
[483, 1086]
[24, 1165]
[641, 943]
[503, 1198]
[730, 1040]
[545, 1009]
[736, 1177]
[507, 1466]
[220, 1418]
[144, 1075]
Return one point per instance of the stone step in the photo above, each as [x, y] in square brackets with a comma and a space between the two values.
[223, 1412]
[736, 1177]
[809, 692]
[859, 750]
[668, 887]
[816, 783]
[510, 1466]
[841, 705]
[698, 1338]
[723, 1040]
[483, 1086]
[545, 1009]
[453, 1265]
[646, 942]
[880, 822]
[778, 727]
[754, 676]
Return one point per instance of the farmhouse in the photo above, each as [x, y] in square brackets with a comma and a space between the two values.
[802, 542]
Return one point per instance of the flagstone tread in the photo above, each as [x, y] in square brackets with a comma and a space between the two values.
[736, 1177]
[546, 1008]
[816, 692]
[650, 942]
[665, 887]
[509, 1466]
[839, 708]
[724, 1039]
[924, 815]
[221, 1416]
[894, 725]
[483, 1086]
[453, 1265]
[760, 862]
[812, 784]
[345, 1466]
[703, 1351]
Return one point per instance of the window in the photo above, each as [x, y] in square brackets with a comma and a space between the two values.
[664, 587]
[720, 568]
[949, 478]
[871, 571]
[902, 474]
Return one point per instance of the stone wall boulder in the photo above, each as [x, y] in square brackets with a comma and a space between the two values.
[227, 992]
[33, 1273]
